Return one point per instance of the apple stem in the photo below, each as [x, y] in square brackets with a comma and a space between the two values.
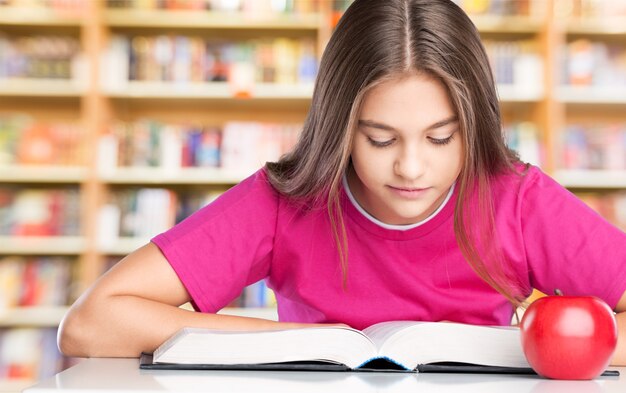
[558, 292]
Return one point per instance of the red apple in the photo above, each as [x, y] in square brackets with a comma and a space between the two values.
[569, 337]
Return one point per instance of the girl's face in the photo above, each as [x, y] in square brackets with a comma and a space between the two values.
[407, 150]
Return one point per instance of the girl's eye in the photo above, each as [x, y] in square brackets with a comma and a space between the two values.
[443, 141]
[376, 143]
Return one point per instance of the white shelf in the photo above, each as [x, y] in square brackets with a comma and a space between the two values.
[507, 24]
[210, 91]
[596, 26]
[48, 316]
[123, 246]
[253, 312]
[591, 179]
[183, 19]
[40, 87]
[41, 174]
[258, 312]
[514, 93]
[15, 385]
[37, 316]
[591, 95]
[182, 176]
[37, 16]
[39, 245]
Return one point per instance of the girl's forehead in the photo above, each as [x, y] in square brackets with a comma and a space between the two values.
[416, 93]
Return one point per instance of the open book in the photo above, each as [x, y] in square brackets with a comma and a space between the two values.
[399, 345]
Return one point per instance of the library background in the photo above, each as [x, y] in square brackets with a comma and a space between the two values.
[114, 110]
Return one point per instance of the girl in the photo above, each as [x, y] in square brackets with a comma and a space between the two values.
[399, 202]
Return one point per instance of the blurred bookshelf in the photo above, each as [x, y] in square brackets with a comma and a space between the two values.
[111, 109]
[42, 245]
[34, 316]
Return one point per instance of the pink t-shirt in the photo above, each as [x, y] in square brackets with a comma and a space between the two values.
[252, 232]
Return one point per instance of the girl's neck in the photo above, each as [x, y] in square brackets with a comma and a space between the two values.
[382, 224]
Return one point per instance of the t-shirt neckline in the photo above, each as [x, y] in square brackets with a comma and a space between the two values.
[379, 228]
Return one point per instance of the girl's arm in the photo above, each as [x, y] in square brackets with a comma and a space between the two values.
[619, 358]
[134, 307]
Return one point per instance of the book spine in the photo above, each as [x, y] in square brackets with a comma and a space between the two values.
[26, 141]
[524, 138]
[29, 354]
[146, 212]
[594, 64]
[185, 59]
[249, 8]
[594, 146]
[31, 281]
[39, 212]
[30, 56]
[516, 63]
[237, 146]
[502, 7]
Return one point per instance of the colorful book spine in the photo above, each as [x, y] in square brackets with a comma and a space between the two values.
[33, 281]
[25, 141]
[146, 212]
[592, 9]
[188, 59]
[39, 212]
[594, 63]
[236, 146]
[601, 147]
[516, 63]
[502, 7]
[35, 56]
[255, 8]
[30, 354]
[60, 7]
[258, 295]
[524, 138]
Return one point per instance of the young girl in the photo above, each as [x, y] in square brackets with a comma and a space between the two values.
[399, 202]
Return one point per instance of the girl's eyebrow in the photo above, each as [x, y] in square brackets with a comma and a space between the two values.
[385, 127]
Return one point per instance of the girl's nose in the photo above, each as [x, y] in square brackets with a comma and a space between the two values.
[410, 165]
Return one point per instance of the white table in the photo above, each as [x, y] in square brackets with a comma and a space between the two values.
[123, 375]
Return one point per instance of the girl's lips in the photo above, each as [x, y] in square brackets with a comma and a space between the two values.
[409, 193]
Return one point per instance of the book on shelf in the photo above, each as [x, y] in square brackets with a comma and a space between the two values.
[190, 59]
[34, 281]
[594, 64]
[388, 346]
[596, 147]
[241, 147]
[39, 56]
[591, 9]
[136, 213]
[65, 8]
[252, 8]
[26, 141]
[516, 63]
[523, 137]
[256, 295]
[145, 212]
[30, 354]
[502, 8]
[39, 212]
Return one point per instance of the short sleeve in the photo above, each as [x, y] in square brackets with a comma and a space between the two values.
[568, 245]
[226, 245]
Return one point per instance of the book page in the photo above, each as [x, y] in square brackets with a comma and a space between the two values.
[381, 332]
[413, 343]
[204, 346]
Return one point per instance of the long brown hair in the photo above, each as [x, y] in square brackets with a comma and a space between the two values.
[380, 40]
